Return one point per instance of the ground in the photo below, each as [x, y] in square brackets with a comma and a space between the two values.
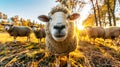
[22, 54]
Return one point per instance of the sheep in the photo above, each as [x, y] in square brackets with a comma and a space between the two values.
[95, 32]
[39, 33]
[112, 33]
[61, 38]
[16, 31]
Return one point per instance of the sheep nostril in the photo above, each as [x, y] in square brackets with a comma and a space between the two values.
[63, 26]
[56, 27]
[59, 27]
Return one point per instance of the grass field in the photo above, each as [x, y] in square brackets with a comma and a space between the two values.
[5, 37]
[98, 54]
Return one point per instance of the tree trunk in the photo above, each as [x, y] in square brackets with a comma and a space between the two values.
[95, 16]
[113, 11]
[99, 17]
[109, 15]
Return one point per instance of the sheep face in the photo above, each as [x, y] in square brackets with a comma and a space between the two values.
[8, 27]
[34, 28]
[59, 24]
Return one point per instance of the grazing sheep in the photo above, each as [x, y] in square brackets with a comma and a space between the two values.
[18, 31]
[95, 32]
[61, 38]
[39, 33]
[112, 33]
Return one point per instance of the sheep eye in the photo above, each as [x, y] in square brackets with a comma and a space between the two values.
[50, 18]
[68, 16]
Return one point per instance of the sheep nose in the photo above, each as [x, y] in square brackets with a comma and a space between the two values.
[59, 27]
[6, 29]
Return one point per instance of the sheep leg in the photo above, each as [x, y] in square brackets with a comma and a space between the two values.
[68, 61]
[116, 41]
[57, 61]
[40, 41]
[28, 38]
[14, 39]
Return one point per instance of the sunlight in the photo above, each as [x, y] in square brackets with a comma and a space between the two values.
[107, 26]
[80, 27]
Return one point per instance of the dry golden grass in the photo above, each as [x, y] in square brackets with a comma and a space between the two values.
[5, 37]
[89, 53]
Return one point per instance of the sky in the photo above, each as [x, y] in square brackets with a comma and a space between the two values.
[27, 9]
[31, 9]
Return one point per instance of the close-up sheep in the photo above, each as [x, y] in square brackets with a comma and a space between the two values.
[61, 38]
[59, 33]
[39, 33]
[16, 31]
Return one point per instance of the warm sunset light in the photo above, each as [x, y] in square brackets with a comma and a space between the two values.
[80, 26]
[59, 33]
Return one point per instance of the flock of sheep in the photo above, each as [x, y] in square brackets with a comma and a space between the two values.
[61, 38]
[91, 32]
[94, 32]
[60, 32]
[23, 31]
[100, 32]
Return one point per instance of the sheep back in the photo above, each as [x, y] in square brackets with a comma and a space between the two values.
[20, 31]
[94, 32]
[100, 31]
[112, 32]
[40, 33]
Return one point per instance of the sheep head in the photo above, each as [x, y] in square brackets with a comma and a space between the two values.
[59, 20]
[34, 28]
[7, 26]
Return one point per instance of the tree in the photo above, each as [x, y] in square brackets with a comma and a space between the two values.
[111, 11]
[94, 10]
[0, 15]
[29, 22]
[102, 8]
[4, 16]
[98, 11]
[15, 20]
[89, 21]
[72, 4]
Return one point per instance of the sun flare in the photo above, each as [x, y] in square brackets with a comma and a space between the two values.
[80, 26]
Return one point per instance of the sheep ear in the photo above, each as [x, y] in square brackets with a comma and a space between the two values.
[31, 26]
[43, 18]
[74, 16]
[11, 24]
[3, 24]
[37, 26]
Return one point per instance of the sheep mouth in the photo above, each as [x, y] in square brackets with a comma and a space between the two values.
[59, 36]
[6, 29]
